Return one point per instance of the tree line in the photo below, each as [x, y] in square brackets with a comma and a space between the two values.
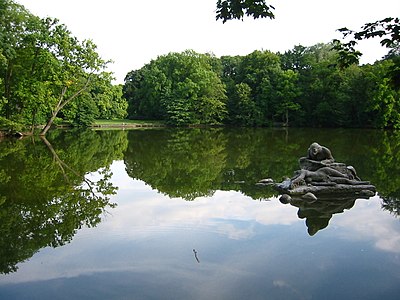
[305, 86]
[48, 76]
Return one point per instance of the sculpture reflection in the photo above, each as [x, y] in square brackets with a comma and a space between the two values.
[318, 213]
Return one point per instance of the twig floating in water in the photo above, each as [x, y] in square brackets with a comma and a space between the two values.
[195, 255]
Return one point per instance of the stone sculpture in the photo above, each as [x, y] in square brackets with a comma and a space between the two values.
[320, 175]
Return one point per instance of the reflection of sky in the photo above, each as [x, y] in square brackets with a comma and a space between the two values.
[372, 225]
[246, 248]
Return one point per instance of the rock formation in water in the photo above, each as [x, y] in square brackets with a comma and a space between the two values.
[320, 176]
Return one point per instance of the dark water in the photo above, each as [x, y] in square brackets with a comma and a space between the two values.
[176, 214]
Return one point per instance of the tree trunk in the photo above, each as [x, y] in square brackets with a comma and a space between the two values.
[49, 123]
[287, 118]
[7, 90]
[55, 112]
[62, 103]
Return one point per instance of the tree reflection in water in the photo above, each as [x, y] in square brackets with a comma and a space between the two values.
[45, 192]
[191, 163]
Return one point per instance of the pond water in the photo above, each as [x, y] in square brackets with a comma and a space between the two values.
[176, 214]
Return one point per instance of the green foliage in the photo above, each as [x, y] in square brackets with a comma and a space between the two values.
[181, 88]
[328, 95]
[347, 54]
[387, 30]
[6, 124]
[236, 9]
[260, 71]
[242, 109]
[287, 94]
[304, 86]
[385, 100]
[43, 67]
[86, 113]
[108, 99]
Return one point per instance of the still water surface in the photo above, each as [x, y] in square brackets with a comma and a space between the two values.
[176, 214]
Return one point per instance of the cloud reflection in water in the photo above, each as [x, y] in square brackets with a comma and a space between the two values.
[261, 244]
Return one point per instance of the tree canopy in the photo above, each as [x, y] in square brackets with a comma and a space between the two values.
[45, 71]
[387, 29]
[181, 88]
[304, 86]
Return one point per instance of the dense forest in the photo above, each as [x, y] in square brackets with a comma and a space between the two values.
[48, 76]
[305, 86]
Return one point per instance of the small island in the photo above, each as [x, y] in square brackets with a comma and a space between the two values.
[321, 177]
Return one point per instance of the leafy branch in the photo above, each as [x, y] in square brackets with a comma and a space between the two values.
[236, 9]
[388, 30]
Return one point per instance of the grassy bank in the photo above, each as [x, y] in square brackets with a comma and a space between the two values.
[123, 123]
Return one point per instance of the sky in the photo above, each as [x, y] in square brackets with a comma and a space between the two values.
[133, 32]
